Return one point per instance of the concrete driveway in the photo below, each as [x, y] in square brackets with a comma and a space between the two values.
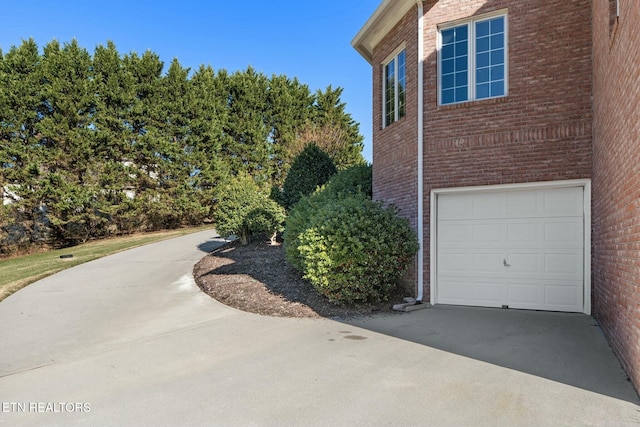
[129, 340]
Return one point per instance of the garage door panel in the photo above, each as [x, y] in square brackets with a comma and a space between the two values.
[453, 207]
[489, 205]
[464, 264]
[524, 204]
[524, 264]
[524, 234]
[524, 294]
[522, 248]
[565, 265]
[565, 296]
[472, 291]
[488, 234]
[455, 291]
[488, 292]
[563, 202]
[564, 234]
[555, 295]
[452, 263]
[454, 234]
[489, 262]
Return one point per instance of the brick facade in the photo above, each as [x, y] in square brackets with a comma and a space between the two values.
[572, 112]
[616, 179]
[395, 151]
[541, 131]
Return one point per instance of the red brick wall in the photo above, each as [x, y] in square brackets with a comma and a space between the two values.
[541, 131]
[616, 180]
[395, 150]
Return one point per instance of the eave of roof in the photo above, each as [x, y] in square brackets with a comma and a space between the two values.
[386, 16]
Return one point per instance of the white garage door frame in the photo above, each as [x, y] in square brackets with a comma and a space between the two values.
[584, 183]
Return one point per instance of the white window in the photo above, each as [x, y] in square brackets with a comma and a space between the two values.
[472, 60]
[395, 85]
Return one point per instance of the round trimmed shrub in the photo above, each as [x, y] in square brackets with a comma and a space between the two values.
[355, 179]
[353, 249]
[244, 210]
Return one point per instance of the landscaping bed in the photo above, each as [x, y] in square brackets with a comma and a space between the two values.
[256, 278]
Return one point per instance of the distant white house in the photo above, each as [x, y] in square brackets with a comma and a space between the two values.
[9, 194]
[130, 191]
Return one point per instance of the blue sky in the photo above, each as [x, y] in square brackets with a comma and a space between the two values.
[310, 40]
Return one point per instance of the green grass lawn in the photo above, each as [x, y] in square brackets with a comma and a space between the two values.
[18, 272]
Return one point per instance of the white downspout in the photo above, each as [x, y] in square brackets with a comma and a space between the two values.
[420, 150]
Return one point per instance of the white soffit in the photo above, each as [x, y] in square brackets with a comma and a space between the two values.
[386, 16]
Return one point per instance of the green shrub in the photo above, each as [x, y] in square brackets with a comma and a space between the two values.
[355, 179]
[244, 210]
[299, 219]
[310, 169]
[353, 249]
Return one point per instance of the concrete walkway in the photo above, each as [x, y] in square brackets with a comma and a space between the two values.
[129, 340]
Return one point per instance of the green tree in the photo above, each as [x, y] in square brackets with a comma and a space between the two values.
[290, 106]
[144, 118]
[310, 169]
[20, 148]
[209, 114]
[246, 145]
[115, 97]
[334, 130]
[66, 133]
[19, 118]
[110, 143]
[174, 151]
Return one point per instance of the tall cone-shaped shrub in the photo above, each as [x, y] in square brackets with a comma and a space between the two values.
[310, 169]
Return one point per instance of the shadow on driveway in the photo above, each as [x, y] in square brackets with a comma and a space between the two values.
[568, 348]
[211, 245]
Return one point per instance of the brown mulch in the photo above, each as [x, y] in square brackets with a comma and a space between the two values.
[257, 279]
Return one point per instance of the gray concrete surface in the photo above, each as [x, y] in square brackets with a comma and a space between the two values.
[133, 341]
[569, 348]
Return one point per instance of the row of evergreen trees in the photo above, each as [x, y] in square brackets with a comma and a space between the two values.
[105, 143]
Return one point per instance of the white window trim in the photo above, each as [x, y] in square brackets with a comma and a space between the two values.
[471, 56]
[388, 59]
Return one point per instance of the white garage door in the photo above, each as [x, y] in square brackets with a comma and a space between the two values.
[521, 249]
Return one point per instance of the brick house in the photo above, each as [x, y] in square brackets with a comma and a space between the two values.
[508, 133]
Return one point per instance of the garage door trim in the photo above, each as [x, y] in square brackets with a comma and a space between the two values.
[584, 183]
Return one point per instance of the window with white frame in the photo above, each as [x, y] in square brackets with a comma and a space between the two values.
[472, 60]
[395, 85]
